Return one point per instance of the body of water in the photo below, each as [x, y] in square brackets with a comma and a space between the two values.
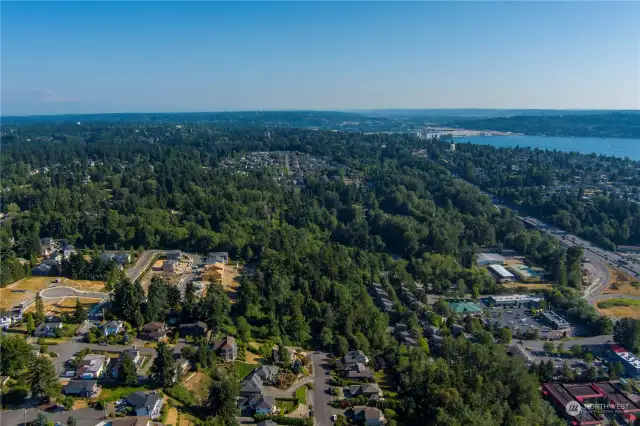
[607, 146]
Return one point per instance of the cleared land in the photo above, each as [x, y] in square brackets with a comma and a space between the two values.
[68, 305]
[622, 284]
[533, 286]
[25, 290]
[231, 283]
[620, 308]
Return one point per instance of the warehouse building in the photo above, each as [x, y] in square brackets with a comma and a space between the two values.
[485, 259]
[501, 274]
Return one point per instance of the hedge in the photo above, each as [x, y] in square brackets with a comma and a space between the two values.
[282, 420]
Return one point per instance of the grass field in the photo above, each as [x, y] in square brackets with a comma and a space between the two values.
[301, 394]
[620, 308]
[68, 305]
[244, 369]
[9, 297]
[384, 380]
[622, 284]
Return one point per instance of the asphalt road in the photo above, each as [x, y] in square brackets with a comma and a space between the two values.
[321, 395]
[133, 273]
[58, 292]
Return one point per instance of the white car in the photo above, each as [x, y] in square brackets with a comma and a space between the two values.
[334, 418]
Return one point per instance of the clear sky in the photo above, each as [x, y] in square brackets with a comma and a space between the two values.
[81, 57]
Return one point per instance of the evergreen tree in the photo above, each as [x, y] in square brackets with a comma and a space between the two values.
[127, 373]
[42, 377]
[41, 420]
[163, 370]
[39, 315]
[30, 324]
[222, 399]
[71, 421]
[80, 313]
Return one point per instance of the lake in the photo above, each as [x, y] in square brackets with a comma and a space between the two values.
[607, 146]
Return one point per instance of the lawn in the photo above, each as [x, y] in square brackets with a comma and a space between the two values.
[301, 394]
[244, 369]
[285, 405]
[385, 381]
[114, 392]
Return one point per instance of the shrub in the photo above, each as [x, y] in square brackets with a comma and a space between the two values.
[53, 355]
[44, 349]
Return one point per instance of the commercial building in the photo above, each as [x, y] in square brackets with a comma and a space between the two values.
[526, 274]
[581, 396]
[513, 301]
[461, 307]
[501, 274]
[556, 321]
[630, 362]
[485, 259]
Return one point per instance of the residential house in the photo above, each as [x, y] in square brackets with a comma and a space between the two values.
[156, 331]
[212, 273]
[42, 270]
[218, 257]
[170, 266]
[47, 247]
[92, 366]
[258, 404]
[67, 250]
[251, 385]
[268, 423]
[129, 421]
[359, 371]
[432, 330]
[457, 330]
[133, 354]
[82, 388]
[112, 327]
[227, 348]
[48, 329]
[369, 416]
[354, 357]
[174, 255]
[181, 365]
[145, 404]
[123, 258]
[369, 390]
[268, 373]
[5, 322]
[194, 329]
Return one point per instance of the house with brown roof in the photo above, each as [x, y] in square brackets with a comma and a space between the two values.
[156, 331]
[227, 348]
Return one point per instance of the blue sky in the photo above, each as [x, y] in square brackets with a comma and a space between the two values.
[81, 57]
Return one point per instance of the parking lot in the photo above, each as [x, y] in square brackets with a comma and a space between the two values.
[520, 320]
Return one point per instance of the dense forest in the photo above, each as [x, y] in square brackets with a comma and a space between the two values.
[316, 244]
[595, 197]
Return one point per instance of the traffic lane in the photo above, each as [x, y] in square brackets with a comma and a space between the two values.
[141, 264]
[321, 389]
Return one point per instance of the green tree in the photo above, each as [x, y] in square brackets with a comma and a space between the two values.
[80, 313]
[16, 355]
[41, 420]
[39, 314]
[244, 329]
[548, 347]
[163, 371]
[42, 377]
[505, 335]
[626, 333]
[71, 421]
[222, 398]
[31, 327]
[127, 373]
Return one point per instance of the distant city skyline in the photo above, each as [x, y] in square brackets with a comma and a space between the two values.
[102, 57]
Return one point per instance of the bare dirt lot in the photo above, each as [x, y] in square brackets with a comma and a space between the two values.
[26, 289]
[533, 286]
[68, 305]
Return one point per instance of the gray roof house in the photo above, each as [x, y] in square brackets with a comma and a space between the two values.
[370, 390]
[251, 385]
[353, 357]
[369, 416]
[82, 388]
[268, 373]
[134, 354]
[145, 404]
[92, 366]
[47, 329]
[359, 371]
